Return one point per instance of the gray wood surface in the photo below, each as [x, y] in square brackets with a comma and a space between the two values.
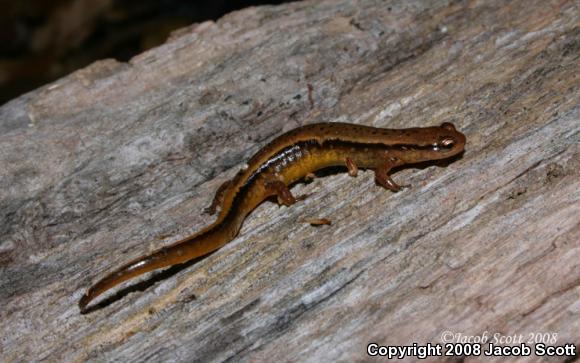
[118, 159]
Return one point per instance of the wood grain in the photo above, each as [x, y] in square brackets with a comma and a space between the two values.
[101, 166]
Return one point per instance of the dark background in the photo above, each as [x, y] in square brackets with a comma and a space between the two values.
[42, 40]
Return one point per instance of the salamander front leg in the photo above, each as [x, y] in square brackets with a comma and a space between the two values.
[280, 189]
[218, 198]
[383, 178]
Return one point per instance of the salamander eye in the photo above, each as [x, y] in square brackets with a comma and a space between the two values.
[444, 143]
[447, 143]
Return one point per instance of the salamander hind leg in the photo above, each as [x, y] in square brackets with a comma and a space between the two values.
[351, 166]
[218, 198]
[280, 189]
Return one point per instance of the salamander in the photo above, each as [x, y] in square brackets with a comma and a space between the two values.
[284, 161]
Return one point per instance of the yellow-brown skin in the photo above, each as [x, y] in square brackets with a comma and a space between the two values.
[284, 161]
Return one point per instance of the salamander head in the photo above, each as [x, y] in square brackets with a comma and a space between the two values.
[433, 143]
[449, 141]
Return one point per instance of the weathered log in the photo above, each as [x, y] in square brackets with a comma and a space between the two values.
[101, 166]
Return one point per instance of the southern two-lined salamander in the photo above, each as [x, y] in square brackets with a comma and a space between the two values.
[284, 161]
